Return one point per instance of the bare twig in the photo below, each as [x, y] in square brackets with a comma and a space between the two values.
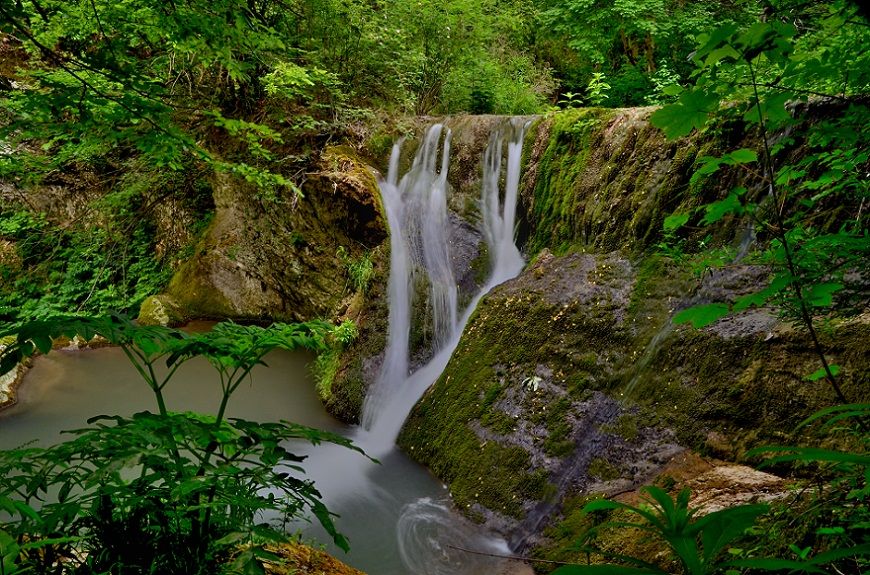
[510, 557]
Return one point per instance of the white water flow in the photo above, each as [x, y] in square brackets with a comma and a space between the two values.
[416, 209]
[398, 495]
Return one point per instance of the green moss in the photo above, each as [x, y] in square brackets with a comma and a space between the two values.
[499, 422]
[562, 535]
[603, 470]
[438, 432]
[558, 442]
[746, 388]
[506, 338]
[575, 527]
[481, 264]
[607, 179]
[160, 310]
[559, 171]
[625, 427]
[495, 419]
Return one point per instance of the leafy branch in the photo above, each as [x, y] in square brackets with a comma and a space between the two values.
[189, 486]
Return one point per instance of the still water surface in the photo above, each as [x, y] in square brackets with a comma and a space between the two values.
[395, 513]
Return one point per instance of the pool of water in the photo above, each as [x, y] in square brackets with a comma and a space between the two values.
[396, 515]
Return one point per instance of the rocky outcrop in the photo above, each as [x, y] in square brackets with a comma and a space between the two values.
[571, 379]
[280, 258]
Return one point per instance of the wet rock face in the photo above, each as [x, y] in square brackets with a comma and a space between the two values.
[570, 380]
[466, 242]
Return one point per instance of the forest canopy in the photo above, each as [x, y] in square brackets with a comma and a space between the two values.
[141, 98]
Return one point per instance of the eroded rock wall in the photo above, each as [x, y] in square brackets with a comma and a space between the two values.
[571, 379]
[283, 259]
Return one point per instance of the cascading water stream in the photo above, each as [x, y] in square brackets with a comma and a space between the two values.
[427, 531]
[424, 231]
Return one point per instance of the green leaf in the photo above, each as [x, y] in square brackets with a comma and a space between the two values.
[701, 315]
[832, 555]
[838, 412]
[822, 295]
[688, 113]
[743, 156]
[821, 373]
[720, 528]
[717, 210]
[675, 222]
[774, 108]
[43, 342]
[791, 453]
[721, 53]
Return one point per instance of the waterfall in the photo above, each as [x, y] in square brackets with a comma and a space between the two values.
[416, 207]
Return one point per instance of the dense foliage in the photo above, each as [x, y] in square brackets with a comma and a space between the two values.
[127, 105]
[164, 492]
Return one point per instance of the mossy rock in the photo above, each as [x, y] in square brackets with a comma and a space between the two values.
[522, 385]
[606, 179]
[296, 558]
[283, 258]
[160, 310]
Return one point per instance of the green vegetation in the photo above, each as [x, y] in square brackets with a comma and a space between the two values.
[831, 533]
[188, 488]
[359, 271]
[328, 361]
[90, 271]
[809, 257]
[126, 126]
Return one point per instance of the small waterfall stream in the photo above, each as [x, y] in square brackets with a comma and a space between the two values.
[427, 530]
[416, 209]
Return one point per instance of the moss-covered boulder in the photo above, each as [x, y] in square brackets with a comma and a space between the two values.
[524, 387]
[284, 257]
[160, 309]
